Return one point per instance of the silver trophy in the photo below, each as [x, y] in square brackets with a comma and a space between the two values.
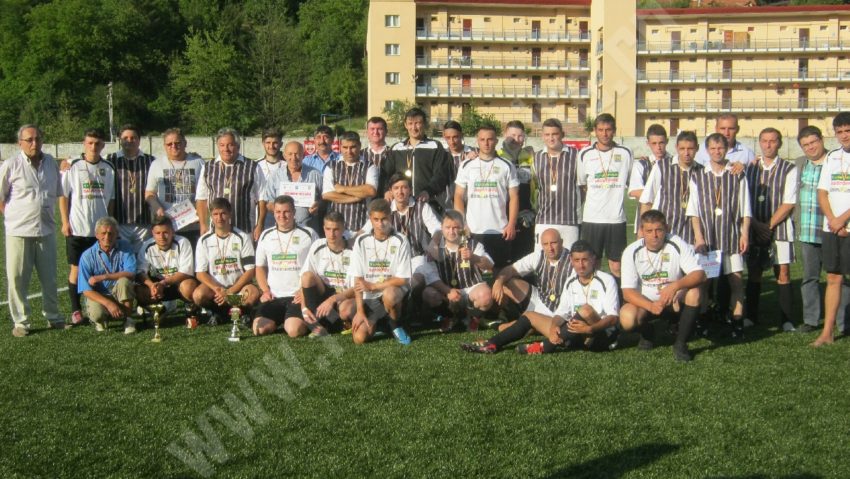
[235, 301]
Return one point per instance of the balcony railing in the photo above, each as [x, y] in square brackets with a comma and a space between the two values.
[742, 105]
[500, 63]
[526, 35]
[443, 91]
[745, 75]
[747, 46]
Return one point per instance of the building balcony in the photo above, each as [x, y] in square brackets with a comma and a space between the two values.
[779, 45]
[502, 63]
[503, 36]
[479, 92]
[749, 76]
[789, 106]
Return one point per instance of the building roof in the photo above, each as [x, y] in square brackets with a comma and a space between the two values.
[725, 11]
[530, 3]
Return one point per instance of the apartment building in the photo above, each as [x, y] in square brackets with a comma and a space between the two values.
[572, 59]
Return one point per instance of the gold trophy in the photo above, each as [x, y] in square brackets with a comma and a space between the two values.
[156, 309]
[463, 243]
[235, 302]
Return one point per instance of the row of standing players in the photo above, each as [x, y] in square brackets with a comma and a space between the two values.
[706, 211]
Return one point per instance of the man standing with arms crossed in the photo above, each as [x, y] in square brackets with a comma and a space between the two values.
[29, 187]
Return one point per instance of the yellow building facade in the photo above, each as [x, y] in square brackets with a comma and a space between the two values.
[573, 59]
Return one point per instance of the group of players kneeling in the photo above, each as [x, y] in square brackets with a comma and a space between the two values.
[313, 286]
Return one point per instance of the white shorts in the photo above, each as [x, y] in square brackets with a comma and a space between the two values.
[134, 234]
[536, 305]
[570, 234]
[783, 252]
[732, 263]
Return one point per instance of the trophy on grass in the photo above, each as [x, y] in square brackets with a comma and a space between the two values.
[235, 302]
[156, 309]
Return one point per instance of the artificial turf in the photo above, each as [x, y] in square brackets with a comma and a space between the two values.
[81, 404]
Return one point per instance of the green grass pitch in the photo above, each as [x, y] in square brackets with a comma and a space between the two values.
[82, 404]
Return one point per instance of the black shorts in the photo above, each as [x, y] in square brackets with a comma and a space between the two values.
[836, 253]
[497, 247]
[606, 238]
[172, 292]
[278, 310]
[75, 246]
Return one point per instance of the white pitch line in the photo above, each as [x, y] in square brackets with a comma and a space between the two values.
[36, 295]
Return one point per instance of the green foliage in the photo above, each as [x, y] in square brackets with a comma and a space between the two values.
[645, 4]
[201, 64]
[395, 117]
[471, 120]
[210, 83]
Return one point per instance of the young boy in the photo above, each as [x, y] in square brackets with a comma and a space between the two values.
[380, 271]
[165, 266]
[350, 182]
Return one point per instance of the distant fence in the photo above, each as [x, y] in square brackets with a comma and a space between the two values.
[252, 147]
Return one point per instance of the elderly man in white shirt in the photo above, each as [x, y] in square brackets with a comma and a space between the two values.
[29, 187]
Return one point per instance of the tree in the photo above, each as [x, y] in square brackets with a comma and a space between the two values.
[471, 120]
[395, 117]
[210, 84]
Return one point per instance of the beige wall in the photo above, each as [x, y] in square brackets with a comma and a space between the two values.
[501, 65]
[379, 64]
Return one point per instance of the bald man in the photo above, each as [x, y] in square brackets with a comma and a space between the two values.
[285, 181]
[550, 268]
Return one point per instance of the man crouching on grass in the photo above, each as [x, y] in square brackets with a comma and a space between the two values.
[661, 276]
[105, 277]
[166, 265]
[587, 312]
[380, 269]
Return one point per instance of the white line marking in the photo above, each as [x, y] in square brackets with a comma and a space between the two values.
[36, 295]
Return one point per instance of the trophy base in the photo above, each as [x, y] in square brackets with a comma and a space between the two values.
[234, 339]
[156, 340]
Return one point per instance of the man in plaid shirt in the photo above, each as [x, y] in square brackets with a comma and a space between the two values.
[810, 139]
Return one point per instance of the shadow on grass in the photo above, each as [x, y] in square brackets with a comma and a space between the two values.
[799, 475]
[618, 463]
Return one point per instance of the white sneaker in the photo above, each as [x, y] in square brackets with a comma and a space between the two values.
[788, 327]
[748, 323]
[99, 327]
[129, 326]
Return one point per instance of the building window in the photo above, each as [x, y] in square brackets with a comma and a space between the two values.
[392, 78]
[391, 21]
[391, 49]
[486, 19]
[389, 105]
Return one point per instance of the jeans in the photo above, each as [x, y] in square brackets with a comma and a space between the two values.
[810, 288]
